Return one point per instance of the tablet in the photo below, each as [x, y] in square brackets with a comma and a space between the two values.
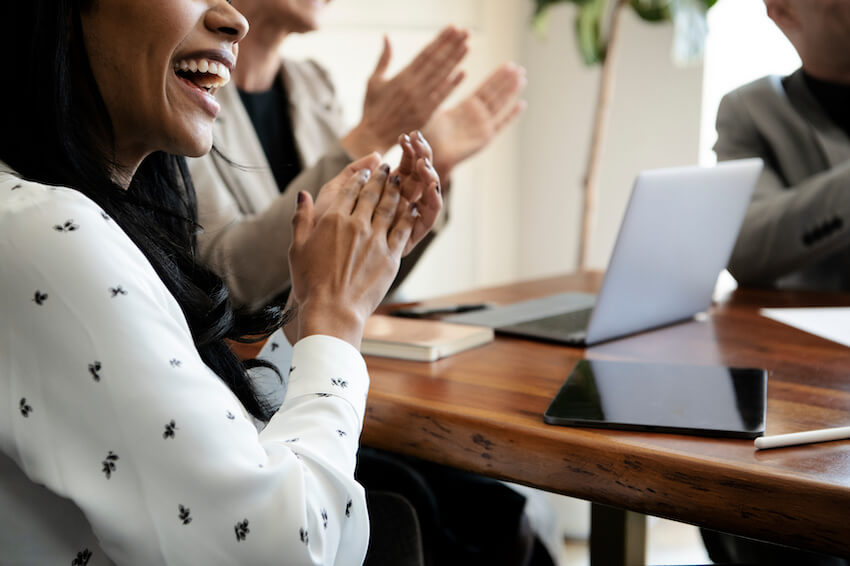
[683, 399]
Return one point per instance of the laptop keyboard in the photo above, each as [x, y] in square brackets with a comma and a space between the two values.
[569, 327]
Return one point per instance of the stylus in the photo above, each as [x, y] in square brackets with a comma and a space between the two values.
[807, 437]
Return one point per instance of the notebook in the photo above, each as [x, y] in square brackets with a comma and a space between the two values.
[420, 340]
[676, 237]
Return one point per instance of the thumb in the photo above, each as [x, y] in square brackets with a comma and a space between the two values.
[384, 60]
[302, 223]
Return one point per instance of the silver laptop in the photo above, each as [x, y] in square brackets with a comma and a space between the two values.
[676, 237]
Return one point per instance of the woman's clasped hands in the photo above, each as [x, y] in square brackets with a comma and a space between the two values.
[347, 246]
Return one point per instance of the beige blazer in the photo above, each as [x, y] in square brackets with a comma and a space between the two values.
[246, 220]
[796, 233]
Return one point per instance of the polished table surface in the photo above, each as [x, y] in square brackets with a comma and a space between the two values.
[481, 410]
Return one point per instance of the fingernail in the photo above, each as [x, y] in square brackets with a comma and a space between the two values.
[385, 168]
[419, 135]
[395, 180]
[301, 197]
[406, 138]
[365, 173]
[414, 210]
[439, 189]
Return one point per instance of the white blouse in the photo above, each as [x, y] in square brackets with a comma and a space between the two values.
[118, 445]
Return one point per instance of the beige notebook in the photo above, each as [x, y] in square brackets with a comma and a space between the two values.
[421, 340]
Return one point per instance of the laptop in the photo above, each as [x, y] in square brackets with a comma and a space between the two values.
[676, 237]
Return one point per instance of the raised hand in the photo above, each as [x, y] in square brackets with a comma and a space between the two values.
[342, 262]
[408, 100]
[461, 131]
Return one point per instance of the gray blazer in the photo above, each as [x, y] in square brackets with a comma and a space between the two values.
[796, 233]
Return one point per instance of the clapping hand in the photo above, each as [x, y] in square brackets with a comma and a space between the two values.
[408, 100]
[459, 132]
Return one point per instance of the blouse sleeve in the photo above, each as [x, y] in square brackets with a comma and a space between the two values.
[111, 406]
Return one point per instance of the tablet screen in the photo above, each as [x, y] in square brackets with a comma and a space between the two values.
[685, 399]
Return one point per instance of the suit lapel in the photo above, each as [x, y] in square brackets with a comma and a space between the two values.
[833, 141]
[251, 181]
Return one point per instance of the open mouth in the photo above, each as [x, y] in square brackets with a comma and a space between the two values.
[205, 74]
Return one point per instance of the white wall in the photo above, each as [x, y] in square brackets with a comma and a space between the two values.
[516, 207]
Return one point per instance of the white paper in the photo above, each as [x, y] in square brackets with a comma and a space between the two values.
[832, 323]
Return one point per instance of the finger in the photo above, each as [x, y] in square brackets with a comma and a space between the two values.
[425, 176]
[348, 196]
[445, 88]
[385, 212]
[501, 86]
[370, 193]
[408, 155]
[511, 114]
[302, 222]
[448, 36]
[422, 146]
[429, 209]
[330, 192]
[400, 232]
[441, 66]
[383, 61]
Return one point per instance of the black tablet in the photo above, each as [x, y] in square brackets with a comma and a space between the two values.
[683, 399]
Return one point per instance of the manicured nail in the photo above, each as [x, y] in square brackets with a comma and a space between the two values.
[385, 168]
[406, 138]
[301, 197]
[419, 135]
[414, 210]
[395, 180]
[365, 173]
[428, 163]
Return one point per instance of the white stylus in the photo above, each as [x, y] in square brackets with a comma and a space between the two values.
[807, 437]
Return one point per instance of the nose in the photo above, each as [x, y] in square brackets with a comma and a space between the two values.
[226, 20]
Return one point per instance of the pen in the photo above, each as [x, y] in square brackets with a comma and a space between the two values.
[807, 437]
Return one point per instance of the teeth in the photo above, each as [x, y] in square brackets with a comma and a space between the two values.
[205, 66]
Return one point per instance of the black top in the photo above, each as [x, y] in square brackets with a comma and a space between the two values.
[835, 99]
[269, 112]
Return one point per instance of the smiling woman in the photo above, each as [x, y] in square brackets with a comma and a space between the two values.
[128, 434]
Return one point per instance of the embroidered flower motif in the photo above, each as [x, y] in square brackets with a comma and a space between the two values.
[341, 383]
[39, 298]
[94, 370]
[184, 514]
[348, 508]
[241, 529]
[25, 408]
[324, 518]
[305, 536]
[115, 291]
[230, 415]
[169, 430]
[275, 346]
[68, 226]
[341, 433]
[82, 558]
[109, 464]
[175, 363]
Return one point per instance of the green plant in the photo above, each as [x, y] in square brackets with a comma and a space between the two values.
[593, 16]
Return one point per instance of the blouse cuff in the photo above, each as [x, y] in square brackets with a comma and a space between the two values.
[325, 365]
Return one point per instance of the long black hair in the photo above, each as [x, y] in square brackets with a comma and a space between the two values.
[56, 130]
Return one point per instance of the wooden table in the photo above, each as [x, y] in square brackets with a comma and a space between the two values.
[481, 411]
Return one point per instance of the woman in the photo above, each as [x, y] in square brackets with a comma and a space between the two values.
[128, 434]
[283, 131]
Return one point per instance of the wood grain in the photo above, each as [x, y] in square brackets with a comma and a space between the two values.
[482, 411]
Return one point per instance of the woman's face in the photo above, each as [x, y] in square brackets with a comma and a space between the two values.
[299, 16]
[158, 64]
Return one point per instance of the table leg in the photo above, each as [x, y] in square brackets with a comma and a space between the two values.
[617, 537]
